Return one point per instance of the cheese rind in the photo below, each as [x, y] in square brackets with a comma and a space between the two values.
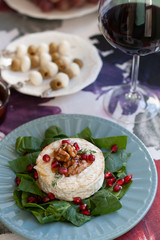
[81, 185]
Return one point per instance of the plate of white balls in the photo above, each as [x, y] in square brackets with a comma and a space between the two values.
[51, 64]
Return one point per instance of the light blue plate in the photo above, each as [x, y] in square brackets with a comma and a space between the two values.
[135, 203]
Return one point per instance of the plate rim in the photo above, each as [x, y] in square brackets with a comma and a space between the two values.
[58, 14]
[132, 135]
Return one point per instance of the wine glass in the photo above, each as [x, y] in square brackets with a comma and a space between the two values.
[132, 26]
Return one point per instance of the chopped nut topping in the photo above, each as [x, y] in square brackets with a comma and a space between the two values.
[71, 150]
[77, 167]
[61, 155]
[70, 158]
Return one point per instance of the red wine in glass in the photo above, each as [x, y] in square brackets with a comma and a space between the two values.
[132, 34]
[132, 27]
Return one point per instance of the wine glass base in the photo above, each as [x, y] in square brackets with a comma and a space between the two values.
[124, 107]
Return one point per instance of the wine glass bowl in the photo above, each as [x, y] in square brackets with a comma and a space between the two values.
[132, 27]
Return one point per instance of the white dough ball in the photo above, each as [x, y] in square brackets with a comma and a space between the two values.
[66, 59]
[52, 69]
[63, 79]
[25, 64]
[74, 69]
[45, 58]
[64, 48]
[21, 50]
[43, 48]
[35, 78]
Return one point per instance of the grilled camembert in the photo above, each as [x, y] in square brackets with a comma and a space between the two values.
[70, 168]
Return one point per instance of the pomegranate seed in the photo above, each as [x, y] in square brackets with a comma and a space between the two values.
[84, 156]
[108, 174]
[31, 199]
[109, 182]
[128, 178]
[77, 200]
[76, 146]
[114, 149]
[120, 182]
[45, 199]
[113, 179]
[51, 196]
[46, 158]
[55, 164]
[62, 170]
[86, 212]
[66, 141]
[117, 188]
[29, 168]
[35, 175]
[18, 181]
[90, 158]
[83, 206]
[39, 199]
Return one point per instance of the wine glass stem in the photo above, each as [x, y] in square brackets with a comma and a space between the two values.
[133, 95]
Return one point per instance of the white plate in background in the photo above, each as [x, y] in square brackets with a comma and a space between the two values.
[80, 48]
[30, 9]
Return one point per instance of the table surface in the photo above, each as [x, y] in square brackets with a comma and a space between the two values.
[116, 69]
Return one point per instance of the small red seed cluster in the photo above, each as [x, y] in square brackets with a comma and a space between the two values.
[38, 199]
[111, 180]
[82, 206]
[35, 199]
[30, 169]
[57, 165]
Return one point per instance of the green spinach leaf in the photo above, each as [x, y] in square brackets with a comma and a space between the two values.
[28, 144]
[24, 201]
[108, 142]
[19, 165]
[72, 215]
[57, 208]
[103, 202]
[17, 195]
[29, 185]
[55, 132]
[85, 134]
[115, 161]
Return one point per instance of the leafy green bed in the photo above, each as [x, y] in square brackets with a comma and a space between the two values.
[102, 202]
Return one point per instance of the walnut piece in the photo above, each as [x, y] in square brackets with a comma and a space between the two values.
[70, 159]
[71, 150]
[61, 155]
[77, 167]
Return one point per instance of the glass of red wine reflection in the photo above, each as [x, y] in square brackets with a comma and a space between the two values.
[132, 27]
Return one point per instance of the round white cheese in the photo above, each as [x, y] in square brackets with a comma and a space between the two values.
[81, 185]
